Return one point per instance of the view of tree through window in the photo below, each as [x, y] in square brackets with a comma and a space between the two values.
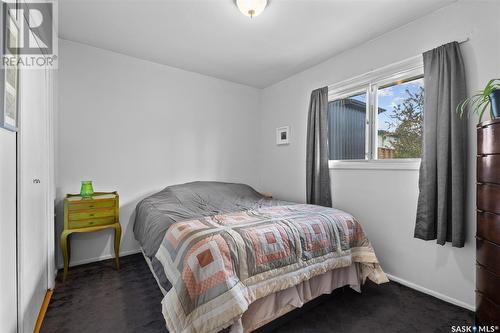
[400, 115]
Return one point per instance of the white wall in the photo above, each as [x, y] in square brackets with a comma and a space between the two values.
[136, 127]
[8, 294]
[444, 271]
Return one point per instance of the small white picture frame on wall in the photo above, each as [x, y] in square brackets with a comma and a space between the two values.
[283, 135]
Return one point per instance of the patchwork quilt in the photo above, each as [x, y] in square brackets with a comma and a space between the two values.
[219, 265]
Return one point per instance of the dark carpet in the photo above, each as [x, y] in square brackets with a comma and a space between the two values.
[97, 298]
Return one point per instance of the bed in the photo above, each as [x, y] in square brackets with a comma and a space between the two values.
[228, 258]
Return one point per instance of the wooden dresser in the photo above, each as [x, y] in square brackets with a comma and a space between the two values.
[488, 224]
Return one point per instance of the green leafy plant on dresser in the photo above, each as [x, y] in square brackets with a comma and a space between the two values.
[478, 103]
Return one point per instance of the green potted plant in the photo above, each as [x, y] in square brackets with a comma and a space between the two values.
[479, 103]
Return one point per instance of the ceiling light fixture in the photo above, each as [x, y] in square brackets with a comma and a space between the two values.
[251, 8]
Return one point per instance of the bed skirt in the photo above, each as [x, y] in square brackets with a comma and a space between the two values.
[275, 305]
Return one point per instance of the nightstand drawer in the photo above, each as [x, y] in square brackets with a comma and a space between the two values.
[85, 205]
[91, 222]
[91, 214]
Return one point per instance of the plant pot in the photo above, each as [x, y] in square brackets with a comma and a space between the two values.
[495, 103]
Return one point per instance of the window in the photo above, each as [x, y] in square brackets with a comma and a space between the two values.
[346, 121]
[399, 119]
[378, 115]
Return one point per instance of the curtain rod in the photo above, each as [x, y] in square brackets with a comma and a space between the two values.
[464, 41]
[411, 59]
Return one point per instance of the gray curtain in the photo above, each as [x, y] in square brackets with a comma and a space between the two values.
[318, 190]
[441, 201]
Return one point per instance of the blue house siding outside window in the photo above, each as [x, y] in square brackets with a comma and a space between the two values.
[347, 118]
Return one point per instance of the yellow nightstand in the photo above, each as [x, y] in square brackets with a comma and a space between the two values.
[99, 212]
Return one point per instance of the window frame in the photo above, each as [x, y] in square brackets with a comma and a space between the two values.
[370, 82]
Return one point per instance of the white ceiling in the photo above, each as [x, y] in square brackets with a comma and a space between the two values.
[212, 37]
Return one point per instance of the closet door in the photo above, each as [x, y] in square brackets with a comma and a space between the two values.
[8, 276]
[34, 187]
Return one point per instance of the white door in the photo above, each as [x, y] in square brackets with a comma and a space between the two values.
[8, 290]
[33, 178]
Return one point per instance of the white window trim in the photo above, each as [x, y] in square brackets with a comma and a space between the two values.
[410, 164]
[385, 74]
[370, 82]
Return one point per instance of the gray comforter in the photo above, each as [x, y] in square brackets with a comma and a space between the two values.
[155, 214]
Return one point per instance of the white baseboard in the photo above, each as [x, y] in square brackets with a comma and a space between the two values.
[100, 258]
[433, 293]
